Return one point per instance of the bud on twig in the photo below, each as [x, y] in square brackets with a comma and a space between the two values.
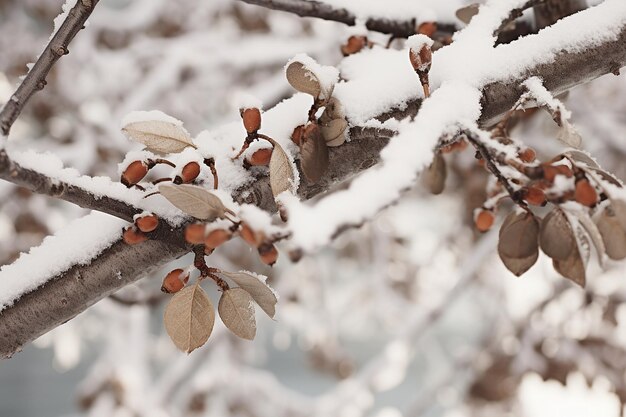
[420, 55]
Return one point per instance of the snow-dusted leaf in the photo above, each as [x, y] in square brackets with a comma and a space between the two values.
[303, 79]
[581, 156]
[613, 235]
[193, 200]
[313, 153]
[519, 237]
[189, 318]
[557, 238]
[237, 312]
[465, 14]
[569, 135]
[592, 231]
[434, 178]
[161, 136]
[260, 291]
[335, 132]
[282, 177]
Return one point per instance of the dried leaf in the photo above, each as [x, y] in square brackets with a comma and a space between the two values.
[519, 265]
[434, 178]
[237, 312]
[592, 231]
[619, 208]
[557, 238]
[572, 268]
[260, 292]
[335, 132]
[189, 318]
[313, 153]
[195, 201]
[302, 79]
[519, 238]
[569, 135]
[582, 157]
[465, 14]
[282, 177]
[159, 136]
[607, 176]
[613, 236]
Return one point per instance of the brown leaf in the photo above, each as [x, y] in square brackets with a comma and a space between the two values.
[313, 153]
[569, 135]
[260, 292]
[592, 231]
[159, 136]
[465, 14]
[557, 238]
[518, 265]
[237, 312]
[572, 268]
[519, 237]
[613, 235]
[282, 177]
[195, 201]
[582, 157]
[302, 79]
[189, 318]
[434, 178]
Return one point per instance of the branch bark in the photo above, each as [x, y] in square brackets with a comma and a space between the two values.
[61, 298]
[35, 80]
[400, 29]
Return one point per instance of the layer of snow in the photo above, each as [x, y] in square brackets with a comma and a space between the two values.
[149, 116]
[325, 74]
[77, 244]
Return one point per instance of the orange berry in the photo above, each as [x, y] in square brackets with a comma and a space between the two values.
[134, 173]
[551, 171]
[354, 45]
[250, 236]
[261, 157]
[459, 146]
[298, 133]
[190, 172]
[216, 238]
[132, 236]
[194, 233]
[427, 28]
[585, 194]
[534, 196]
[174, 281]
[268, 253]
[147, 223]
[527, 155]
[251, 119]
[484, 220]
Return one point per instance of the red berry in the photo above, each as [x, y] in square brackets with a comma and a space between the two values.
[484, 220]
[216, 238]
[147, 223]
[194, 233]
[268, 253]
[251, 119]
[132, 236]
[174, 281]
[190, 172]
[260, 157]
[134, 173]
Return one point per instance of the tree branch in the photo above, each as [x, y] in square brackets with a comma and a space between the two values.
[400, 29]
[35, 80]
[61, 298]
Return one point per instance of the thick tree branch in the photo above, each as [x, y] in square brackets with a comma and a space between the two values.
[35, 80]
[400, 29]
[28, 318]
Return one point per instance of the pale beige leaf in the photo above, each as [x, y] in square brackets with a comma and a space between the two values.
[465, 14]
[282, 177]
[569, 135]
[612, 233]
[237, 312]
[260, 291]
[195, 201]
[619, 208]
[556, 237]
[434, 178]
[302, 79]
[592, 231]
[189, 318]
[335, 132]
[159, 136]
[572, 268]
[581, 156]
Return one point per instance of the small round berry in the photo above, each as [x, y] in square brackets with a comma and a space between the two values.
[484, 220]
[147, 223]
[132, 236]
[134, 173]
[585, 194]
[527, 155]
[251, 119]
[354, 45]
[217, 237]
[534, 196]
[261, 157]
[174, 281]
[250, 236]
[298, 133]
[427, 28]
[268, 253]
[194, 233]
[190, 172]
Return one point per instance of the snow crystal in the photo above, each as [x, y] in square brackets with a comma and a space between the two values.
[77, 244]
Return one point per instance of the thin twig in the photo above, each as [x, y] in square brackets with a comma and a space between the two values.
[35, 80]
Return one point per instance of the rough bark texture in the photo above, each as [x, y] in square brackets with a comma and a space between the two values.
[65, 296]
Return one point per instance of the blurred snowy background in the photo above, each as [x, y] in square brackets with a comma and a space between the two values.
[412, 315]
